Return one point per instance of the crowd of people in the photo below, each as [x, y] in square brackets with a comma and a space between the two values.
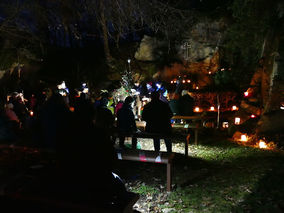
[83, 132]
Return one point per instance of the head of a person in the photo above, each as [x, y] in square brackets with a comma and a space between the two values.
[155, 96]
[104, 102]
[128, 100]
[184, 92]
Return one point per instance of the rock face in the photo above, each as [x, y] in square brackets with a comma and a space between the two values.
[200, 44]
[198, 51]
[146, 49]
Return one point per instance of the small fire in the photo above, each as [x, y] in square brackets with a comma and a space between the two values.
[237, 120]
[262, 144]
[244, 138]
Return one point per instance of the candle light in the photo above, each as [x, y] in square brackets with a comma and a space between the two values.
[234, 108]
[212, 108]
[237, 120]
[196, 109]
[244, 138]
[225, 124]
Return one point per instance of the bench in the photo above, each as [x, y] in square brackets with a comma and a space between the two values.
[192, 122]
[195, 124]
[150, 157]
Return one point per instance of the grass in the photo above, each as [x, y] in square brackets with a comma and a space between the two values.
[220, 176]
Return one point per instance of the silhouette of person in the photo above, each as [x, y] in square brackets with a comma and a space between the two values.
[126, 122]
[186, 103]
[157, 115]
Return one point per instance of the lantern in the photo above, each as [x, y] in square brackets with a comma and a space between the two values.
[244, 138]
[237, 120]
[234, 108]
[196, 109]
[262, 144]
[225, 124]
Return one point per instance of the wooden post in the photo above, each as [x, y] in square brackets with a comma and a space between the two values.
[169, 176]
[195, 136]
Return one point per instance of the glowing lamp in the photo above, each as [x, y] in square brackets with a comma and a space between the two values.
[175, 81]
[252, 116]
[128, 61]
[188, 81]
[209, 72]
[246, 94]
[197, 87]
[212, 108]
[172, 82]
[196, 109]
[237, 120]
[183, 81]
[244, 138]
[31, 113]
[225, 124]
[262, 144]
[234, 108]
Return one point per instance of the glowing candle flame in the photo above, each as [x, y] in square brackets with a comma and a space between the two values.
[172, 82]
[197, 87]
[183, 81]
[244, 138]
[209, 72]
[262, 144]
[237, 120]
[188, 81]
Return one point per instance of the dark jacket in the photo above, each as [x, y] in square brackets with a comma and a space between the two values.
[126, 119]
[157, 115]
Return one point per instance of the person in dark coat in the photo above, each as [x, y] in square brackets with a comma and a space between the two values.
[157, 115]
[186, 103]
[126, 122]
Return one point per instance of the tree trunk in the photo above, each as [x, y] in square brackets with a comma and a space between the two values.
[103, 24]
